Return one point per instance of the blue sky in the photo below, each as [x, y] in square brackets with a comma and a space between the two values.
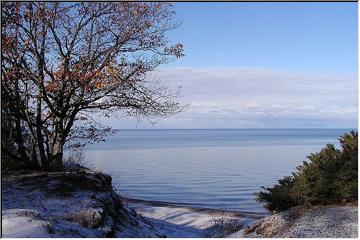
[263, 65]
[293, 36]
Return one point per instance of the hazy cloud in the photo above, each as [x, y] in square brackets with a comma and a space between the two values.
[257, 97]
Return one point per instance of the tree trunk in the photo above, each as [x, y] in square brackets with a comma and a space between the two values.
[57, 152]
[19, 136]
[40, 139]
[20, 141]
[57, 155]
[34, 158]
[61, 132]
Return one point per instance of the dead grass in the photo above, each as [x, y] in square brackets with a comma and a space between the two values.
[86, 218]
[222, 226]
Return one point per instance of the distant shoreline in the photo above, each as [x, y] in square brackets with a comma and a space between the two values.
[335, 128]
[210, 211]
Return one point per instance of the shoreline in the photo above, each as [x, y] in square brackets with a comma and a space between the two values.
[175, 220]
[87, 206]
[203, 210]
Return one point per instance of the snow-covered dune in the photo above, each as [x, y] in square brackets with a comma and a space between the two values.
[84, 204]
[67, 204]
[316, 222]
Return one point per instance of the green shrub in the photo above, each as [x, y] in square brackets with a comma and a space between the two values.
[277, 197]
[328, 177]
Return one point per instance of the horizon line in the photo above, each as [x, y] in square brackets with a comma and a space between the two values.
[310, 128]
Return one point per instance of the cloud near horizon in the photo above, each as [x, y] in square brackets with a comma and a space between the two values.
[255, 98]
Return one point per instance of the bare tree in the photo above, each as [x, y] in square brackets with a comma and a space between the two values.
[62, 61]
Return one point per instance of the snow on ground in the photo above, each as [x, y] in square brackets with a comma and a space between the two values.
[317, 222]
[64, 204]
[174, 222]
[18, 222]
[176, 215]
[29, 223]
[84, 204]
[178, 221]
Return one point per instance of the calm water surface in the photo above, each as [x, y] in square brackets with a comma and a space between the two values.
[218, 169]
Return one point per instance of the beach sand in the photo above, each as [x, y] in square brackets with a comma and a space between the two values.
[173, 220]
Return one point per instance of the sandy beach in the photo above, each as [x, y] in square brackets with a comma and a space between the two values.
[175, 220]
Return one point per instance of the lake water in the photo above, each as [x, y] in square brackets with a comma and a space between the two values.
[214, 168]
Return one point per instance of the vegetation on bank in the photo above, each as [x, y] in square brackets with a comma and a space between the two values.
[328, 177]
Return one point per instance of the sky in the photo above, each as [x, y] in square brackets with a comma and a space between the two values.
[262, 65]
